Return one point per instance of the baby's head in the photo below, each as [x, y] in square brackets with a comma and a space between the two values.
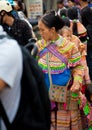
[66, 32]
[88, 92]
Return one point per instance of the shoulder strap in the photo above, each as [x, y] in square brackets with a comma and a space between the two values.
[55, 52]
[2, 36]
[4, 116]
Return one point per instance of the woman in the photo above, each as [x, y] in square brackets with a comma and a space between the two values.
[76, 26]
[68, 115]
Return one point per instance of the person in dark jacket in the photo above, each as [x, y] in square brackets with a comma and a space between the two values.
[86, 15]
[16, 28]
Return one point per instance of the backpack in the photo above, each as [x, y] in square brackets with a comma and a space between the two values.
[34, 108]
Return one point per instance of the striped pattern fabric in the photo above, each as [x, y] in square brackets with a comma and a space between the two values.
[83, 50]
[65, 47]
[81, 46]
[71, 102]
[67, 120]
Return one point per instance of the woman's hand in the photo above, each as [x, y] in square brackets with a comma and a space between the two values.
[75, 87]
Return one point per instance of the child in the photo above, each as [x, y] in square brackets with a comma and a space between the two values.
[66, 32]
[58, 72]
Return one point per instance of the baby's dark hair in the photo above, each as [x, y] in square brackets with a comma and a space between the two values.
[52, 19]
[88, 92]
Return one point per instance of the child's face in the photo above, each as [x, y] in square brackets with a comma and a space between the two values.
[67, 34]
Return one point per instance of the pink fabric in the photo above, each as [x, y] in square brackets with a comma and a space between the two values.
[53, 105]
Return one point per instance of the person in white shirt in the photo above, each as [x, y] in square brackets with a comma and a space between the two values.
[10, 75]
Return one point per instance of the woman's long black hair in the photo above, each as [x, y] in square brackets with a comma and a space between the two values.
[73, 15]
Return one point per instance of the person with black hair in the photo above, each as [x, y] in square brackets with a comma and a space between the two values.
[76, 26]
[63, 12]
[72, 3]
[10, 75]
[66, 21]
[64, 16]
[86, 14]
[56, 56]
[24, 100]
[16, 28]
[60, 6]
[18, 7]
[84, 7]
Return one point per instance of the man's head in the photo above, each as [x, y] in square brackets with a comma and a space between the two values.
[60, 4]
[82, 2]
[5, 8]
[70, 3]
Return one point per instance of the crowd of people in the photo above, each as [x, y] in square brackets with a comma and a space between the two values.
[64, 55]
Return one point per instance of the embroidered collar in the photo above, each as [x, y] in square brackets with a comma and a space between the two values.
[58, 42]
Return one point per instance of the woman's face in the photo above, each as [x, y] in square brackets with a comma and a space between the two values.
[45, 32]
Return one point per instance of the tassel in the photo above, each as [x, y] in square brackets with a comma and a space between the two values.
[64, 106]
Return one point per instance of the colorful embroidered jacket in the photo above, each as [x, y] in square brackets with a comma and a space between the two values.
[82, 48]
[60, 72]
[87, 109]
[79, 44]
